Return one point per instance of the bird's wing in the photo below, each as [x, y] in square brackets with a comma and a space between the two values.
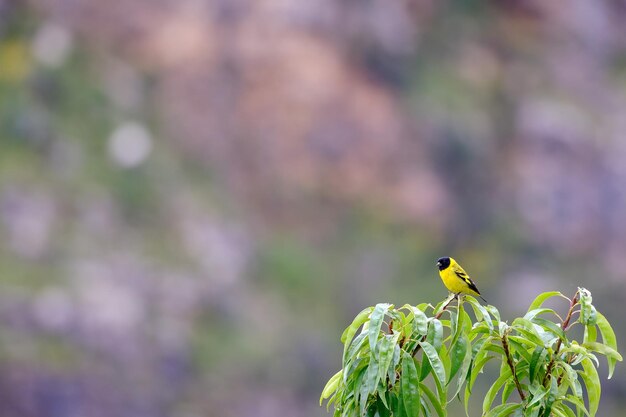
[460, 272]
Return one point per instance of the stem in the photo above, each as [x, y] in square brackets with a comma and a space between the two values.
[445, 306]
[509, 360]
[564, 326]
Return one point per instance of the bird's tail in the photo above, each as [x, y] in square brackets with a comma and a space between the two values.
[483, 298]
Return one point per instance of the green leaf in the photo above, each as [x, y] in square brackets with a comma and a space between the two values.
[438, 308]
[589, 318]
[480, 345]
[464, 373]
[445, 358]
[360, 390]
[578, 402]
[541, 298]
[457, 355]
[552, 394]
[424, 407]
[538, 392]
[396, 322]
[434, 361]
[536, 361]
[386, 347]
[479, 328]
[591, 334]
[435, 333]
[477, 369]
[398, 407]
[453, 324]
[503, 410]
[420, 321]
[332, 399]
[494, 389]
[528, 330]
[425, 369]
[441, 391]
[376, 322]
[466, 396]
[439, 409]
[514, 342]
[353, 366]
[473, 372]
[493, 311]
[466, 322]
[509, 387]
[382, 408]
[570, 377]
[382, 395]
[372, 409]
[363, 397]
[534, 313]
[331, 386]
[563, 410]
[463, 370]
[463, 323]
[603, 349]
[355, 346]
[608, 337]
[592, 383]
[349, 408]
[358, 321]
[373, 375]
[550, 326]
[480, 357]
[391, 371]
[481, 312]
[495, 349]
[348, 334]
[588, 313]
[410, 385]
[502, 328]
[580, 352]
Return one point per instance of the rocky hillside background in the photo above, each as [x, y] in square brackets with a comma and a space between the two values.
[196, 196]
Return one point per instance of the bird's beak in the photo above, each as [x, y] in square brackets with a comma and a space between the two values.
[438, 264]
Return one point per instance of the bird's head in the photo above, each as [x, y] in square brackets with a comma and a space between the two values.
[443, 263]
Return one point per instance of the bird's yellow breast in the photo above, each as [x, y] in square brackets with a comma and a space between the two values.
[452, 282]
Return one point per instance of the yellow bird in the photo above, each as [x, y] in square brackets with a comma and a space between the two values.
[455, 278]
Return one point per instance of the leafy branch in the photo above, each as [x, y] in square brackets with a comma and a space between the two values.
[413, 360]
[509, 361]
[564, 326]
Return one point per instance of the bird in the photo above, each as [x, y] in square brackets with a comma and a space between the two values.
[455, 278]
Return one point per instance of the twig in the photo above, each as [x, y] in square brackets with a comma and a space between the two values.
[564, 327]
[509, 360]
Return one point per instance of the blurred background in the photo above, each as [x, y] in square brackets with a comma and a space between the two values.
[197, 196]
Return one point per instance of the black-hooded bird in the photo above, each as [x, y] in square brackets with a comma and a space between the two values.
[455, 278]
